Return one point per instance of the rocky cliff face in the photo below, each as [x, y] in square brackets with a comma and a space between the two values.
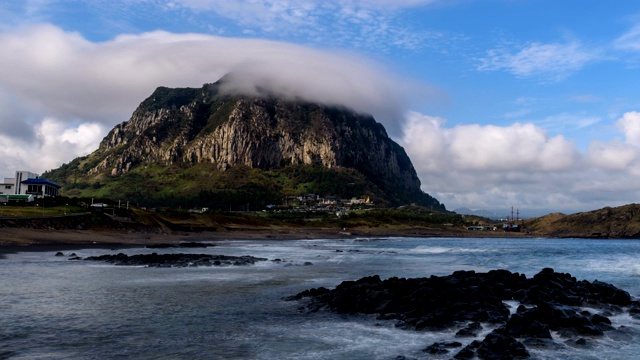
[202, 125]
[192, 126]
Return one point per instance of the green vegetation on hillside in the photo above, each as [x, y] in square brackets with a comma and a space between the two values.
[169, 154]
[202, 185]
[407, 217]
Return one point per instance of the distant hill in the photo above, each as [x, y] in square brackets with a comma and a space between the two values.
[204, 147]
[483, 213]
[496, 214]
[620, 222]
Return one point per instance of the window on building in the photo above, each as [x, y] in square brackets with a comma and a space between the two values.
[33, 189]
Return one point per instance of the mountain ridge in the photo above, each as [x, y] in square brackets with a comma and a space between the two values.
[208, 128]
[622, 222]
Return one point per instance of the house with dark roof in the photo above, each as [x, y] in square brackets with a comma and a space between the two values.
[28, 183]
[41, 187]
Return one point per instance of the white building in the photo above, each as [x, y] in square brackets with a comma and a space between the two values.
[7, 187]
[20, 189]
[28, 183]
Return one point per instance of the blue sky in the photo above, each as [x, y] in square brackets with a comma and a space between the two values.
[499, 103]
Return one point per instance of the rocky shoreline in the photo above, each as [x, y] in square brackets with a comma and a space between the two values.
[28, 239]
[173, 260]
[577, 311]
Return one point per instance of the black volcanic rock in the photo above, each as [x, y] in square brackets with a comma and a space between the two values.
[496, 346]
[175, 260]
[551, 302]
[440, 348]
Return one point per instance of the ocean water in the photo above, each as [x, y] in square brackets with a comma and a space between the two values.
[53, 308]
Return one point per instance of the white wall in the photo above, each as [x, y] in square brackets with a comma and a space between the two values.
[21, 189]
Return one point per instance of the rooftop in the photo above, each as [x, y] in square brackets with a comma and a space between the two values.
[40, 182]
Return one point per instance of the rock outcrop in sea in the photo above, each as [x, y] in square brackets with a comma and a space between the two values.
[469, 301]
[174, 260]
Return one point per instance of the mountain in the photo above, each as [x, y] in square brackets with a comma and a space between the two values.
[490, 214]
[503, 213]
[205, 146]
[621, 222]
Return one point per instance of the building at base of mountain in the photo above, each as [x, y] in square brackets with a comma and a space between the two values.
[28, 183]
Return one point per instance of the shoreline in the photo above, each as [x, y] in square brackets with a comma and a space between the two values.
[24, 239]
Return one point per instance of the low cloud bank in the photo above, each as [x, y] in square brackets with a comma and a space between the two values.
[54, 142]
[47, 73]
[487, 167]
[50, 72]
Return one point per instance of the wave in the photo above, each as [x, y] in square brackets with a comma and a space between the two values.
[441, 250]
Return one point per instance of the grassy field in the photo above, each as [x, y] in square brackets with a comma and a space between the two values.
[39, 210]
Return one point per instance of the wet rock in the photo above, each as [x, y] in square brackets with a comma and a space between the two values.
[470, 330]
[161, 246]
[440, 348]
[540, 343]
[193, 244]
[59, 253]
[501, 347]
[600, 320]
[175, 260]
[590, 330]
[525, 324]
[610, 294]
[469, 351]
[580, 343]
[550, 301]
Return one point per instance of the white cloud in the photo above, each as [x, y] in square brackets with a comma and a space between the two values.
[630, 126]
[629, 40]
[517, 113]
[46, 72]
[299, 8]
[587, 98]
[55, 141]
[612, 155]
[376, 24]
[521, 165]
[567, 122]
[553, 61]
[485, 148]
